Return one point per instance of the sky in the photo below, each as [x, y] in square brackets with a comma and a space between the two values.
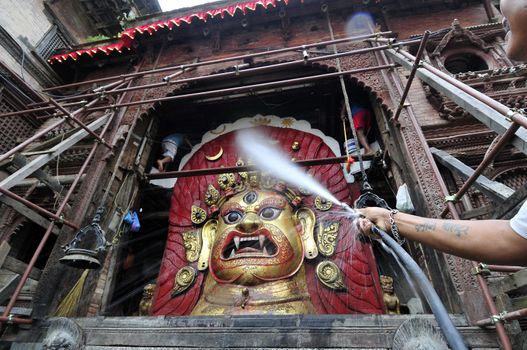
[168, 5]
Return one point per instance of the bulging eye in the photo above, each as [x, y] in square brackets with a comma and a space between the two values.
[270, 213]
[232, 217]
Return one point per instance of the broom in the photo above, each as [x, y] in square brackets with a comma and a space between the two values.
[68, 306]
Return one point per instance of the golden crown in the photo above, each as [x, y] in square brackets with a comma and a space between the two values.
[231, 184]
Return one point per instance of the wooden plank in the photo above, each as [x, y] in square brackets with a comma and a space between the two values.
[488, 116]
[4, 250]
[8, 287]
[494, 190]
[20, 161]
[19, 267]
[18, 311]
[28, 213]
[512, 205]
[39, 161]
[516, 282]
[470, 214]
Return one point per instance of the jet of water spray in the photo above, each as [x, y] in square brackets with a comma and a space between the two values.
[265, 157]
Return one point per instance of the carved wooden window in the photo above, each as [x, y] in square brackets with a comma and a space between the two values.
[52, 40]
[465, 62]
[14, 129]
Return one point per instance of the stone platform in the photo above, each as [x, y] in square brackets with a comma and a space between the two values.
[246, 332]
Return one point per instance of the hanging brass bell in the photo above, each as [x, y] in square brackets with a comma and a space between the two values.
[84, 250]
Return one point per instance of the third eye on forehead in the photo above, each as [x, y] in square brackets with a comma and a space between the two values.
[250, 197]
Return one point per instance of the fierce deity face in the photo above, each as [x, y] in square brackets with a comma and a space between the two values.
[258, 239]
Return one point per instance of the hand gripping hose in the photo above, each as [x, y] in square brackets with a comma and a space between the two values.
[450, 332]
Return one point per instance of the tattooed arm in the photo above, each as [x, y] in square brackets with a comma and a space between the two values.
[490, 241]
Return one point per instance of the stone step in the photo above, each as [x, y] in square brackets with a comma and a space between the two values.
[252, 332]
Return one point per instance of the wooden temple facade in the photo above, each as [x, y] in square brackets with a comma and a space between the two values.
[446, 105]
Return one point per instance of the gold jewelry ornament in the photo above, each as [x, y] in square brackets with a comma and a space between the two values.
[226, 180]
[192, 243]
[327, 237]
[198, 215]
[307, 219]
[329, 274]
[243, 174]
[207, 238]
[212, 195]
[184, 279]
[295, 146]
[216, 156]
[322, 204]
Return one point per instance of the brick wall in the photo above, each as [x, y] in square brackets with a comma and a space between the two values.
[417, 24]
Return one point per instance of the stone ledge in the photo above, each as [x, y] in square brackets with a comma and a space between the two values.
[258, 332]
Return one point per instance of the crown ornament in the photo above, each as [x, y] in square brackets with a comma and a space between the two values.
[229, 184]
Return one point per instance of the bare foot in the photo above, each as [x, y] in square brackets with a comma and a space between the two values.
[368, 152]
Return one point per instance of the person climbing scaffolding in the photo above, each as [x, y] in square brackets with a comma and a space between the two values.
[169, 145]
[362, 122]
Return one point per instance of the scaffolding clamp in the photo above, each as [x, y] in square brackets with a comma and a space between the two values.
[481, 269]
[451, 199]
[512, 112]
[11, 319]
[498, 318]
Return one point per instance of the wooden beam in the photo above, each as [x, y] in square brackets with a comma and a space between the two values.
[4, 250]
[20, 161]
[494, 190]
[19, 267]
[28, 213]
[482, 112]
[516, 282]
[470, 214]
[19, 311]
[8, 286]
[39, 161]
[512, 205]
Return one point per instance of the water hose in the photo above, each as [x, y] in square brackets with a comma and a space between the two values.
[452, 335]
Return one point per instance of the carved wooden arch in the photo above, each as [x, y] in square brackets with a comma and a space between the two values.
[458, 33]
[513, 177]
[370, 82]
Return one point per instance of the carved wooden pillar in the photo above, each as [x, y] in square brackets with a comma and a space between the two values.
[448, 273]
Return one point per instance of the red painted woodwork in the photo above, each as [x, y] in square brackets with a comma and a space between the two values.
[355, 258]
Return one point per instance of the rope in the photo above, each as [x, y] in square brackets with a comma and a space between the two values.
[346, 102]
[349, 160]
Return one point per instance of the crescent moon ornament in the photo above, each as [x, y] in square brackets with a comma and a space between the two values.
[219, 130]
[216, 156]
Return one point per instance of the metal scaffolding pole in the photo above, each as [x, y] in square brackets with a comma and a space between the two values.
[221, 60]
[238, 72]
[417, 61]
[218, 76]
[7, 316]
[478, 106]
[237, 169]
[38, 209]
[490, 112]
[19, 175]
[483, 165]
[43, 132]
[81, 124]
[267, 85]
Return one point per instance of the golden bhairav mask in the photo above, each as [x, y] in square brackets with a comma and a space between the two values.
[257, 238]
